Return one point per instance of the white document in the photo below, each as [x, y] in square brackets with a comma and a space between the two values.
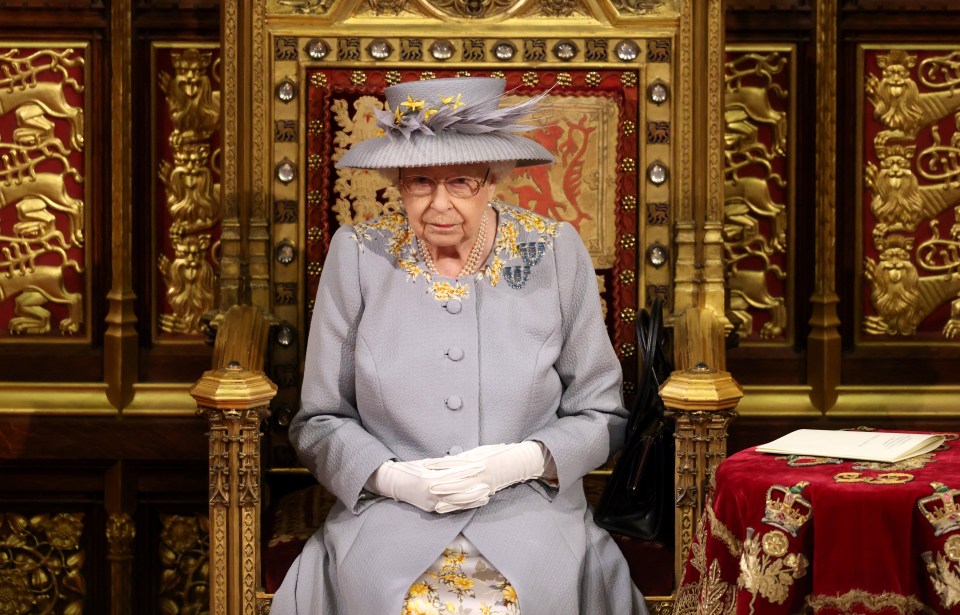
[883, 446]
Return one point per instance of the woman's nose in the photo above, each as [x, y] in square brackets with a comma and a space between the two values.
[441, 198]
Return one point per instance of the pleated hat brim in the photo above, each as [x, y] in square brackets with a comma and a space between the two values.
[444, 148]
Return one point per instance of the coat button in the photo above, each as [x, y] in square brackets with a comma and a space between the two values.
[454, 306]
[455, 450]
[454, 402]
[455, 353]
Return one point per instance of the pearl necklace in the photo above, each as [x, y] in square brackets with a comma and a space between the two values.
[473, 260]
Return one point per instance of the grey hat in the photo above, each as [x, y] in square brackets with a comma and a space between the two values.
[448, 121]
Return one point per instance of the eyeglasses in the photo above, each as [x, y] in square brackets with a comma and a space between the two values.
[459, 187]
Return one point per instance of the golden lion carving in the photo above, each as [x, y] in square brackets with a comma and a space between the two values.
[896, 294]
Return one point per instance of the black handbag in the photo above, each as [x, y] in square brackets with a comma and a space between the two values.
[638, 500]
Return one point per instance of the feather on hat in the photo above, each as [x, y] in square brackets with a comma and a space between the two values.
[448, 121]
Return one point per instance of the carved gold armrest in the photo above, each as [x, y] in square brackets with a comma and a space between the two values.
[235, 401]
[702, 401]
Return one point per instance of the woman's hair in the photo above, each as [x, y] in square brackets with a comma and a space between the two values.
[498, 171]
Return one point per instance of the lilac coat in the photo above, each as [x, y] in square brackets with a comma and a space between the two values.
[403, 366]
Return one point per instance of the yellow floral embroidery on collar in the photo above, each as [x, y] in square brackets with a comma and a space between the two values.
[394, 229]
[445, 291]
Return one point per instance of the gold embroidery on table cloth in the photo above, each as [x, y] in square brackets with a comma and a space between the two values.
[723, 534]
[710, 593]
[873, 602]
[887, 478]
[786, 508]
[401, 243]
[943, 577]
[767, 569]
[941, 509]
[913, 463]
[805, 461]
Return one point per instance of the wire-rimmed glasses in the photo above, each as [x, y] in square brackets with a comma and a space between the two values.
[461, 187]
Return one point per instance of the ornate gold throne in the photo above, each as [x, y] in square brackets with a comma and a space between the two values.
[635, 90]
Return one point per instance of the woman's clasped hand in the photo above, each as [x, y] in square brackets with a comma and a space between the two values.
[462, 481]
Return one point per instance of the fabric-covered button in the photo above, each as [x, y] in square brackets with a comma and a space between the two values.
[453, 306]
[455, 353]
[455, 450]
[454, 402]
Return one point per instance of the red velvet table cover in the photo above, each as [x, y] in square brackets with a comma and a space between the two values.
[790, 534]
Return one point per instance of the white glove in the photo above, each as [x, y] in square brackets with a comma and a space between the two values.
[503, 464]
[450, 488]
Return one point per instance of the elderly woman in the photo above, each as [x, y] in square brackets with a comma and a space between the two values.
[459, 384]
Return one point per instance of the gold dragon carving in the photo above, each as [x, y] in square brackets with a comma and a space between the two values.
[900, 204]
[749, 208]
[37, 177]
[184, 585]
[41, 564]
[192, 191]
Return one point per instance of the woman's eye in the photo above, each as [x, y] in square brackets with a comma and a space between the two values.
[420, 181]
[458, 181]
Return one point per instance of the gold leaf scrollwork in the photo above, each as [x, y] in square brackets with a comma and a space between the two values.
[184, 552]
[471, 9]
[751, 252]
[41, 564]
[193, 194]
[559, 8]
[640, 7]
[35, 254]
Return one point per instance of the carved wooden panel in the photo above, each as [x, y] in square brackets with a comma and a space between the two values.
[42, 563]
[758, 190]
[186, 195]
[909, 237]
[184, 554]
[44, 267]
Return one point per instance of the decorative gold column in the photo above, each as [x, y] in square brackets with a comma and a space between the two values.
[823, 343]
[702, 402]
[120, 339]
[120, 535]
[234, 401]
[698, 241]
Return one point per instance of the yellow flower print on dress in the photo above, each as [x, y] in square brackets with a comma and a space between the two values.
[463, 585]
[419, 607]
[419, 590]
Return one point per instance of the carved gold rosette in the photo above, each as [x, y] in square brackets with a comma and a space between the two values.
[42, 191]
[188, 200]
[758, 190]
[41, 564]
[184, 554]
[910, 196]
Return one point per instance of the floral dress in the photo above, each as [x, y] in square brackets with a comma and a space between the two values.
[461, 581]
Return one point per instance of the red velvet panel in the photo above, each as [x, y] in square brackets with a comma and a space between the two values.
[786, 533]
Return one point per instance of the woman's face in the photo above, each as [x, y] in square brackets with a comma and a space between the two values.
[440, 218]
